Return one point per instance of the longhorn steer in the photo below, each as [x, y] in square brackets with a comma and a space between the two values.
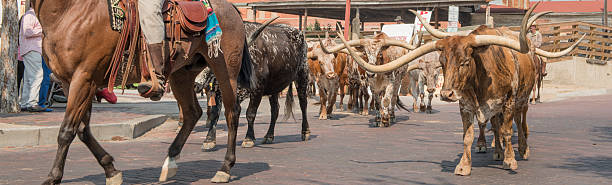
[488, 78]
[427, 74]
[328, 76]
[279, 59]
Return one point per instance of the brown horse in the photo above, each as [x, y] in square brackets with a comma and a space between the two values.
[78, 45]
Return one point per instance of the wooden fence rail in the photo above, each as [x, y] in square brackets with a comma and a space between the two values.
[596, 45]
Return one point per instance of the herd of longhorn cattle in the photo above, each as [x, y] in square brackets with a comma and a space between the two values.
[490, 71]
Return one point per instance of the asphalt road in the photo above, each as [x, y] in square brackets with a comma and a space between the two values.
[570, 140]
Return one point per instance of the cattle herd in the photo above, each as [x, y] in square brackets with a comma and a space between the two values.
[490, 71]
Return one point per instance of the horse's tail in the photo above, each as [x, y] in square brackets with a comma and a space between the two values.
[289, 104]
[245, 77]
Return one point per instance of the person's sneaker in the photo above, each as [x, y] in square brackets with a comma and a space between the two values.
[36, 108]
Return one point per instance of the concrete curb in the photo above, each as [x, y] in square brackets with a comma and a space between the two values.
[33, 136]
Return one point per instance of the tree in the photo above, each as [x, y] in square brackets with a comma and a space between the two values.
[317, 26]
[9, 34]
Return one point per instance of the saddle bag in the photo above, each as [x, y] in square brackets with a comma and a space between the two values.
[192, 15]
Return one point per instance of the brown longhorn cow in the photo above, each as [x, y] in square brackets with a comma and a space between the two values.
[490, 73]
[327, 75]
[385, 87]
[78, 46]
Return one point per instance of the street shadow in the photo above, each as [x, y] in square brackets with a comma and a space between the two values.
[189, 172]
[604, 134]
[284, 139]
[600, 165]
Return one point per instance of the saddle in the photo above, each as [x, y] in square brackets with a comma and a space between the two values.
[183, 19]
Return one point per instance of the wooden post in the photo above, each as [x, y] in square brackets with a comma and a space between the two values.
[347, 19]
[300, 24]
[437, 17]
[305, 19]
[254, 15]
[605, 12]
[488, 16]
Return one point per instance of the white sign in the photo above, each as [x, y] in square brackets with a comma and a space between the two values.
[453, 17]
[399, 31]
[426, 15]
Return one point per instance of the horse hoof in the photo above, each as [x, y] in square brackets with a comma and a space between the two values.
[207, 146]
[510, 164]
[524, 153]
[463, 170]
[498, 156]
[220, 177]
[268, 140]
[115, 180]
[168, 169]
[306, 137]
[481, 149]
[248, 143]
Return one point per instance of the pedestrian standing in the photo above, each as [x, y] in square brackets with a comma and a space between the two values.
[45, 86]
[30, 40]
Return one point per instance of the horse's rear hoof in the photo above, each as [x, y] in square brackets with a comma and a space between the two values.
[305, 137]
[117, 179]
[248, 143]
[168, 169]
[268, 140]
[208, 146]
[220, 177]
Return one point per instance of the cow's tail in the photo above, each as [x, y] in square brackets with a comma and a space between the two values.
[246, 76]
[401, 105]
[289, 102]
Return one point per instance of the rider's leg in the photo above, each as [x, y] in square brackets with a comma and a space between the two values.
[152, 24]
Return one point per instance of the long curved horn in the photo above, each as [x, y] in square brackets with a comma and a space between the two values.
[338, 47]
[483, 40]
[391, 66]
[524, 27]
[256, 33]
[399, 43]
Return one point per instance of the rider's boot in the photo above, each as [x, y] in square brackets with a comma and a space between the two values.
[158, 54]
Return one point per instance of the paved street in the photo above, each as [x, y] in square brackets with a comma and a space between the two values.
[570, 140]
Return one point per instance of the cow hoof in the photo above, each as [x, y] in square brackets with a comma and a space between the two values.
[463, 170]
[117, 179]
[498, 156]
[208, 146]
[168, 169]
[268, 140]
[248, 143]
[524, 153]
[323, 117]
[305, 137]
[510, 164]
[481, 149]
[220, 177]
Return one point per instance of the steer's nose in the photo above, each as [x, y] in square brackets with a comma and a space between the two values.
[448, 95]
[431, 90]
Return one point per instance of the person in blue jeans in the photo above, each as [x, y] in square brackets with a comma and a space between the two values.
[44, 87]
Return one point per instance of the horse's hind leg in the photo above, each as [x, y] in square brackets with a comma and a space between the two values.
[76, 119]
[181, 82]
